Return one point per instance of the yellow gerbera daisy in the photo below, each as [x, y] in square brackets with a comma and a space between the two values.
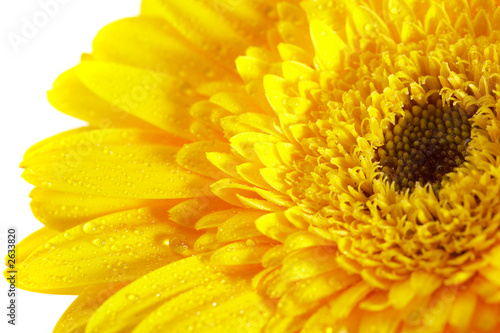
[276, 166]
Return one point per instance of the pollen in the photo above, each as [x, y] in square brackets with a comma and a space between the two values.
[424, 145]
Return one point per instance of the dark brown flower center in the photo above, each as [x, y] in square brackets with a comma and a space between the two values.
[425, 145]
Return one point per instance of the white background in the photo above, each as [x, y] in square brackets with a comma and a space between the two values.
[26, 73]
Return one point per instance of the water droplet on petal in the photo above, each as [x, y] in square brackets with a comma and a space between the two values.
[89, 227]
[178, 245]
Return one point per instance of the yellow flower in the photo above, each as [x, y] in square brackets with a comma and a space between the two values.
[262, 166]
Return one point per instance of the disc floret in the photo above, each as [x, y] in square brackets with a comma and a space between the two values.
[424, 145]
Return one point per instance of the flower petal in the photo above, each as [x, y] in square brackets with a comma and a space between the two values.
[159, 99]
[154, 289]
[386, 321]
[204, 27]
[152, 44]
[126, 245]
[241, 226]
[275, 226]
[98, 163]
[240, 253]
[31, 243]
[219, 306]
[463, 309]
[330, 48]
[342, 305]
[71, 96]
[307, 263]
[75, 317]
[425, 283]
[188, 212]
[193, 157]
[63, 210]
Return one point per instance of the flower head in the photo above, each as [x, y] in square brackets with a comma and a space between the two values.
[261, 166]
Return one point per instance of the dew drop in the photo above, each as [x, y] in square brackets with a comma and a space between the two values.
[89, 227]
[250, 242]
[178, 245]
[99, 242]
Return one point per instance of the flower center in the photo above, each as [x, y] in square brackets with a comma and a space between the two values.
[424, 145]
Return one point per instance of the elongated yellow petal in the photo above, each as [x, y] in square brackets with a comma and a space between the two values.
[203, 27]
[212, 308]
[304, 295]
[463, 309]
[367, 22]
[268, 154]
[342, 305]
[307, 263]
[252, 69]
[241, 226]
[236, 103]
[152, 291]
[189, 212]
[292, 52]
[71, 96]
[181, 309]
[250, 173]
[243, 143]
[96, 163]
[278, 323]
[303, 239]
[194, 157]
[207, 242]
[30, 244]
[322, 321]
[482, 25]
[127, 245]
[240, 253]
[386, 321]
[231, 190]
[424, 283]
[216, 219]
[85, 139]
[75, 318]
[401, 294]
[275, 226]
[435, 15]
[153, 44]
[249, 122]
[154, 97]
[62, 210]
[226, 163]
[330, 48]
[293, 22]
